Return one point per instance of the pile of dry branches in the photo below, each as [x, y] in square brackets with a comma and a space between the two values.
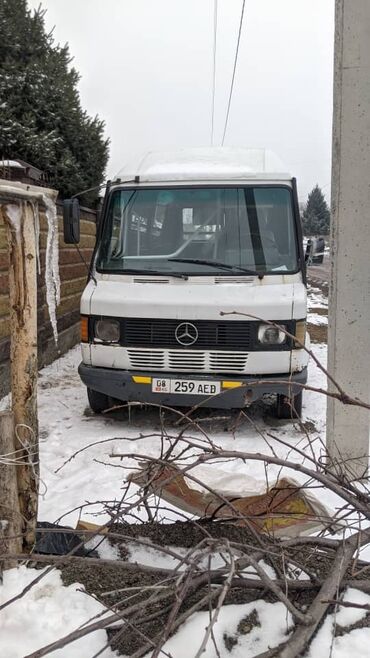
[307, 574]
[310, 572]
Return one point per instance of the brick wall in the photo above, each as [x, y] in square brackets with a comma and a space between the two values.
[73, 275]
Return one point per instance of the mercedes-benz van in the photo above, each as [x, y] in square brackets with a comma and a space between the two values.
[197, 289]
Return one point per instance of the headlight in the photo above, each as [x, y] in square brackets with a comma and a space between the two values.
[269, 335]
[108, 331]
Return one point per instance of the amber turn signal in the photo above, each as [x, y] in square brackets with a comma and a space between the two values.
[84, 329]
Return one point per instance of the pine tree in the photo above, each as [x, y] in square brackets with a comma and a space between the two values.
[316, 216]
[41, 118]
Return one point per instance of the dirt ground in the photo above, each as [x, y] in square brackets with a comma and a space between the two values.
[318, 332]
[98, 580]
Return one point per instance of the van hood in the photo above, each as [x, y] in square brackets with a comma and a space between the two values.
[272, 298]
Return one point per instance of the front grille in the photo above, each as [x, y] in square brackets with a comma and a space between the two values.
[227, 361]
[147, 359]
[220, 335]
[187, 361]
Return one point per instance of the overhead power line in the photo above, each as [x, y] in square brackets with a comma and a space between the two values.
[234, 71]
[215, 12]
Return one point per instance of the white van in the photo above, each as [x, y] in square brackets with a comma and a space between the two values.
[197, 253]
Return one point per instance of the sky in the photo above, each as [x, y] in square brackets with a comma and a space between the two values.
[147, 68]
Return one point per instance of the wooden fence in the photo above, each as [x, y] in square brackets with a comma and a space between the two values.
[73, 274]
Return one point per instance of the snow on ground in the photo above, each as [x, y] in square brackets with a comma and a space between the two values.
[69, 491]
[170, 557]
[272, 628]
[47, 612]
[162, 560]
[315, 318]
[355, 643]
[67, 426]
[316, 299]
[78, 475]
[92, 475]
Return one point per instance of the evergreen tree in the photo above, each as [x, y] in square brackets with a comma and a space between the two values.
[316, 216]
[41, 118]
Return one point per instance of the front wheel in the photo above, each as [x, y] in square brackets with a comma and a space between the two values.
[98, 402]
[289, 407]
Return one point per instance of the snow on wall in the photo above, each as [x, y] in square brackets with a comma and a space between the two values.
[14, 213]
[52, 279]
[36, 219]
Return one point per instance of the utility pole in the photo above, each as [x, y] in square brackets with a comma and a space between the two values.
[349, 298]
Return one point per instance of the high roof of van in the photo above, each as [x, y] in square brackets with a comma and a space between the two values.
[204, 164]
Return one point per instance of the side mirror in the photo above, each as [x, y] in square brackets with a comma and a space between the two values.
[71, 221]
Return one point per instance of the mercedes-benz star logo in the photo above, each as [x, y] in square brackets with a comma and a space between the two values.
[186, 334]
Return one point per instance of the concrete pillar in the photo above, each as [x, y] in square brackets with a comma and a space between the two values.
[349, 297]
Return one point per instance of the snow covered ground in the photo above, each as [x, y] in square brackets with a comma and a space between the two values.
[67, 426]
[48, 611]
[78, 474]
[273, 625]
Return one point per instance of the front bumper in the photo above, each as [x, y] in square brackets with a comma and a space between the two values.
[119, 384]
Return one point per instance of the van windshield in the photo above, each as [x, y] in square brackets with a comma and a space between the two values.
[172, 230]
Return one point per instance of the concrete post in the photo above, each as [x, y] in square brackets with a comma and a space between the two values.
[349, 298]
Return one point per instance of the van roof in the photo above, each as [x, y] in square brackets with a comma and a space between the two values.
[204, 164]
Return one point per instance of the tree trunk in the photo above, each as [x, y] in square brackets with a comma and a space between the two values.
[20, 223]
[10, 518]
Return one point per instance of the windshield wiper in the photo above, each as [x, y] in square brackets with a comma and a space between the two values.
[215, 263]
[177, 275]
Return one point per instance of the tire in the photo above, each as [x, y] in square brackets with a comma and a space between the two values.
[98, 401]
[289, 407]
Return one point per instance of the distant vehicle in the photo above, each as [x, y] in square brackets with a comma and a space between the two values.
[318, 251]
[314, 250]
[197, 275]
